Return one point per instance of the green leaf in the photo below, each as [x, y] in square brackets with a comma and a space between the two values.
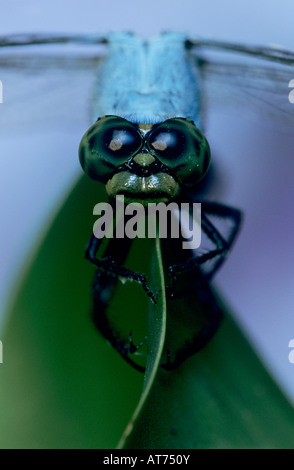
[156, 338]
[223, 397]
[61, 384]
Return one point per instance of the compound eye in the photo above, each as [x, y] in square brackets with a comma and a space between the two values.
[119, 143]
[182, 147]
[168, 143]
[109, 143]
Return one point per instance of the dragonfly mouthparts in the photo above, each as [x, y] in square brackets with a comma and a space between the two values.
[159, 187]
[145, 166]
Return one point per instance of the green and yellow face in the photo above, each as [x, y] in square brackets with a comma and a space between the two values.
[144, 163]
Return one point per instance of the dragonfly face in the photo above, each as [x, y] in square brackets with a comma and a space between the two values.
[146, 163]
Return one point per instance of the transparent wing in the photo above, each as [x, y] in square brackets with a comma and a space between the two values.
[47, 93]
[273, 53]
[253, 172]
[47, 80]
[45, 39]
[255, 78]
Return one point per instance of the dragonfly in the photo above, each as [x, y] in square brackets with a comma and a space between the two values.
[147, 142]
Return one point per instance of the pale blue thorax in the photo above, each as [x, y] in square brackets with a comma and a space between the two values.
[148, 81]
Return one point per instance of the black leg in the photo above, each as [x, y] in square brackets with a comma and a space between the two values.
[109, 265]
[221, 243]
[196, 343]
[102, 288]
[203, 266]
[208, 317]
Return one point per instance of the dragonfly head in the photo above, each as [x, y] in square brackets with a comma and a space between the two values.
[145, 163]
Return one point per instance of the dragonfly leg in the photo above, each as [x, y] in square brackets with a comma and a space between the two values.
[221, 244]
[166, 365]
[195, 344]
[102, 289]
[210, 325]
[132, 347]
[101, 292]
[109, 265]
